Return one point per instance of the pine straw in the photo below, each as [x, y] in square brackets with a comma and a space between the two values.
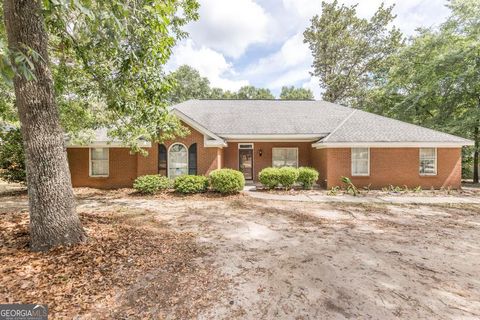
[122, 271]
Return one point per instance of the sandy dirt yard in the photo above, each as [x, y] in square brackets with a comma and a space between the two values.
[292, 260]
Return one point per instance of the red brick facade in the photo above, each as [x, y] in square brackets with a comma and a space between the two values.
[393, 166]
[388, 166]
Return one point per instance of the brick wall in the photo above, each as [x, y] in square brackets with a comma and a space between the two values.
[122, 169]
[260, 162]
[396, 166]
[319, 162]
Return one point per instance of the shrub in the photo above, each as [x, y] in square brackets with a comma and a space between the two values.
[151, 184]
[287, 176]
[12, 156]
[227, 181]
[307, 177]
[190, 184]
[351, 188]
[269, 177]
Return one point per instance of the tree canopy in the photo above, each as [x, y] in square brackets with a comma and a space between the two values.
[349, 51]
[292, 93]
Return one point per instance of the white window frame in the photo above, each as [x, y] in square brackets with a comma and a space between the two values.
[90, 173]
[368, 163]
[169, 160]
[245, 146]
[420, 159]
[295, 148]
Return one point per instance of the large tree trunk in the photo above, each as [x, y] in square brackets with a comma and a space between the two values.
[476, 137]
[53, 220]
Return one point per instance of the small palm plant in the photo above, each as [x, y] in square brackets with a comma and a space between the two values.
[351, 188]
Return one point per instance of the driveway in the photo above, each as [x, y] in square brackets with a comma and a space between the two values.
[292, 260]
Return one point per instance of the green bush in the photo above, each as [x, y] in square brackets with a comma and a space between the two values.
[151, 184]
[190, 184]
[287, 177]
[307, 177]
[226, 180]
[12, 156]
[269, 177]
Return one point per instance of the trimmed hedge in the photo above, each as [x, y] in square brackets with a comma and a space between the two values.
[269, 177]
[151, 184]
[287, 177]
[226, 181]
[191, 184]
[307, 177]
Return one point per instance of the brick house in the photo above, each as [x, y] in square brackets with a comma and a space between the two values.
[249, 135]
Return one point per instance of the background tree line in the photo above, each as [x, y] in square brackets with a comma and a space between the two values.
[431, 78]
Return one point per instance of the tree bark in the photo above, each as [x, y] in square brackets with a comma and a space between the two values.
[476, 137]
[53, 219]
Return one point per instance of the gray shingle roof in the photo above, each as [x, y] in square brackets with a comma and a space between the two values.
[332, 122]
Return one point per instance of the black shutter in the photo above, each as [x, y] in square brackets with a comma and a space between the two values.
[192, 159]
[162, 160]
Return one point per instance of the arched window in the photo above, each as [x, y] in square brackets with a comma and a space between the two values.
[177, 160]
[192, 159]
[162, 160]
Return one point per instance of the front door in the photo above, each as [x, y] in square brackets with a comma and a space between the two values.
[245, 162]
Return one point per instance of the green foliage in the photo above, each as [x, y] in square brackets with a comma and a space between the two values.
[307, 177]
[227, 181]
[190, 184]
[250, 92]
[351, 188]
[12, 156]
[434, 81]
[287, 176]
[292, 93]
[187, 84]
[108, 70]
[333, 191]
[150, 184]
[348, 52]
[269, 177]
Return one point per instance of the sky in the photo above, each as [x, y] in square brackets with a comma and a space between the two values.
[260, 42]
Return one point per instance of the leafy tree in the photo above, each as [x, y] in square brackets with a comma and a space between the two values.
[187, 84]
[251, 93]
[349, 51]
[292, 93]
[435, 79]
[116, 51]
[12, 156]
[219, 93]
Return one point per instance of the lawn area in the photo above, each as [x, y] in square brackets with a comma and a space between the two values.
[238, 257]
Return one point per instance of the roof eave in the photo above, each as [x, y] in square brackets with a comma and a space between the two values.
[396, 144]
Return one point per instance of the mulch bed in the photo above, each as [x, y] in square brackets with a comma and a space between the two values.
[137, 270]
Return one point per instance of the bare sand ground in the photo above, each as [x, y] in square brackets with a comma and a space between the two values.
[299, 260]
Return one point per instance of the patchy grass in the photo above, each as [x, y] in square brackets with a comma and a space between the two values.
[130, 267]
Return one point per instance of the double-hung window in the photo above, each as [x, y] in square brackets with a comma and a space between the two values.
[428, 161]
[99, 162]
[360, 161]
[285, 157]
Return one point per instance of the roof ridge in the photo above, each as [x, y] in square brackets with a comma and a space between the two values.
[340, 125]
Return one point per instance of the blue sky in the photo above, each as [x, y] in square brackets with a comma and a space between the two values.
[260, 42]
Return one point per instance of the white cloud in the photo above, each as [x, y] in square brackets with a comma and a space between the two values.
[208, 62]
[288, 66]
[230, 26]
[313, 84]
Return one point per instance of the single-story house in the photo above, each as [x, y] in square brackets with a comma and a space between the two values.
[249, 135]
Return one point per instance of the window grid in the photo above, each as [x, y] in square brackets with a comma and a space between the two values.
[99, 162]
[285, 157]
[360, 161]
[428, 161]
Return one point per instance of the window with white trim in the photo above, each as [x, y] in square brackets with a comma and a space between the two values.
[360, 161]
[285, 157]
[99, 162]
[177, 160]
[428, 161]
